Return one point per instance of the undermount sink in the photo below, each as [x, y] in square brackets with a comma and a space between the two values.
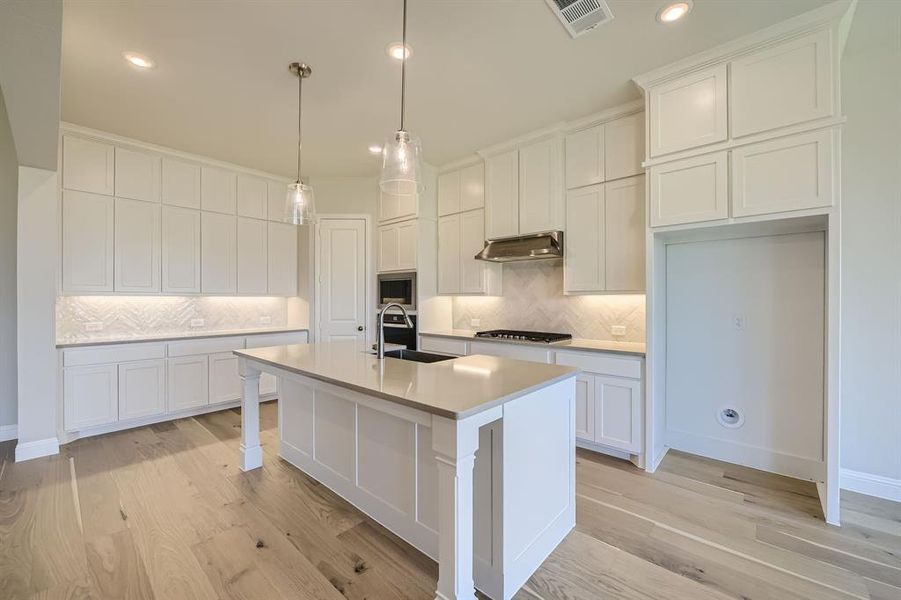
[416, 356]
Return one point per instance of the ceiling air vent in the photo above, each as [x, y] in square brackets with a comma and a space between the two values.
[581, 16]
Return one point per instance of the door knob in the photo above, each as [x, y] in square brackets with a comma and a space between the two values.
[359, 328]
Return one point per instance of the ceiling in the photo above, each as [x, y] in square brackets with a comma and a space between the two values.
[482, 71]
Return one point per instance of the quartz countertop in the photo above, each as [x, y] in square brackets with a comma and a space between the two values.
[455, 388]
[632, 348]
[173, 337]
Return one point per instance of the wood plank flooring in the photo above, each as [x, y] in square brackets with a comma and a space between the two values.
[163, 512]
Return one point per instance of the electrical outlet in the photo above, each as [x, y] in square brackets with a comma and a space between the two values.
[618, 330]
[265, 320]
[197, 322]
[475, 322]
[93, 326]
[739, 322]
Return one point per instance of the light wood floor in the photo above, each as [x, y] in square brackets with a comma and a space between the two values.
[163, 512]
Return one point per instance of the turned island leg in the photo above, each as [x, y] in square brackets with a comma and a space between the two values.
[251, 452]
[455, 444]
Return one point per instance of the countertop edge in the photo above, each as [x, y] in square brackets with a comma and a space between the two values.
[178, 338]
[553, 346]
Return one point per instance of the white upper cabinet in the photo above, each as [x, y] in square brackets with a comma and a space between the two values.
[449, 193]
[502, 195]
[397, 246]
[138, 246]
[789, 83]
[88, 165]
[253, 248]
[218, 253]
[583, 267]
[252, 197]
[624, 147]
[690, 190]
[282, 263]
[218, 190]
[585, 163]
[396, 207]
[460, 237]
[181, 250]
[180, 183]
[87, 242]
[788, 173]
[472, 187]
[540, 186]
[688, 112]
[137, 175]
[449, 272]
[624, 234]
[276, 193]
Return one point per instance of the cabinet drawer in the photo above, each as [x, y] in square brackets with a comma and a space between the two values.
[690, 190]
[277, 339]
[791, 173]
[207, 346]
[541, 355]
[602, 364]
[444, 346]
[112, 354]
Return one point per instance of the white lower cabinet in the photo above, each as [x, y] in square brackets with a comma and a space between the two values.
[188, 382]
[91, 396]
[617, 418]
[225, 381]
[142, 389]
[585, 407]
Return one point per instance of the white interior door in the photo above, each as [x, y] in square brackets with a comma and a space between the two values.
[341, 293]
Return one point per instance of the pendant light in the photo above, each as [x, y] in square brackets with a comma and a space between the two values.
[402, 153]
[300, 208]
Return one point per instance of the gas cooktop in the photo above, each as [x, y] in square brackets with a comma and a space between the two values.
[525, 336]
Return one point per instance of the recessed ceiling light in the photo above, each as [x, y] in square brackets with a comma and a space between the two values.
[396, 51]
[674, 12]
[138, 60]
[375, 149]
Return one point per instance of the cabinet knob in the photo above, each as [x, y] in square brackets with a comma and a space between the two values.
[359, 328]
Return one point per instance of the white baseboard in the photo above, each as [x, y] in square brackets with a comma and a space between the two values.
[871, 485]
[8, 432]
[37, 449]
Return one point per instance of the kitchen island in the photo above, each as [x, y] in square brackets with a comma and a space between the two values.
[471, 460]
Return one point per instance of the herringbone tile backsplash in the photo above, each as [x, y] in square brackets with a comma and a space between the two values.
[533, 300]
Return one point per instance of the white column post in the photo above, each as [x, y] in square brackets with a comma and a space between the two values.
[455, 444]
[251, 452]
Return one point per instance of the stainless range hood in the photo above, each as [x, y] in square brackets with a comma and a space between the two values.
[535, 246]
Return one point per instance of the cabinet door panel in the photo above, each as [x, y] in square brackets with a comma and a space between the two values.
[253, 248]
[449, 255]
[188, 382]
[138, 252]
[88, 165]
[180, 183]
[688, 112]
[624, 234]
[218, 254]
[502, 195]
[282, 260]
[539, 187]
[252, 197]
[449, 193]
[90, 396]
[583, 266]
[137, 175]
[624, 143]
[472, 240]
[472, 187]
[783, 85]
[88, 230]
[585, 407]
[181, 250]
[585, 164]
[388, 248]
[407, 240]
[618, 413]
[276, 194]
[225, 380]
[790, 173]
[690, 190]
[218, 190]
[142, 389]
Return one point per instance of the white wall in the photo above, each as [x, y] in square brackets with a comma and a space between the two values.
[871, 247]
[9, 192]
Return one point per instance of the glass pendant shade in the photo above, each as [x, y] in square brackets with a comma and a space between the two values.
[300, 207]
[401, 165]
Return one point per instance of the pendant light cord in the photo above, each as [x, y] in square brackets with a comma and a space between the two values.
[403, 68]
[299, 113]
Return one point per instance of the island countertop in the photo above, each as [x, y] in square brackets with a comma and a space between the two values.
[455, 389]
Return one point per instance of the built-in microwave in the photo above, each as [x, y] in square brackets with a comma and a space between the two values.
[399, 288]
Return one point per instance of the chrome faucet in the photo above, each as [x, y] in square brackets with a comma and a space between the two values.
[380, 330]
